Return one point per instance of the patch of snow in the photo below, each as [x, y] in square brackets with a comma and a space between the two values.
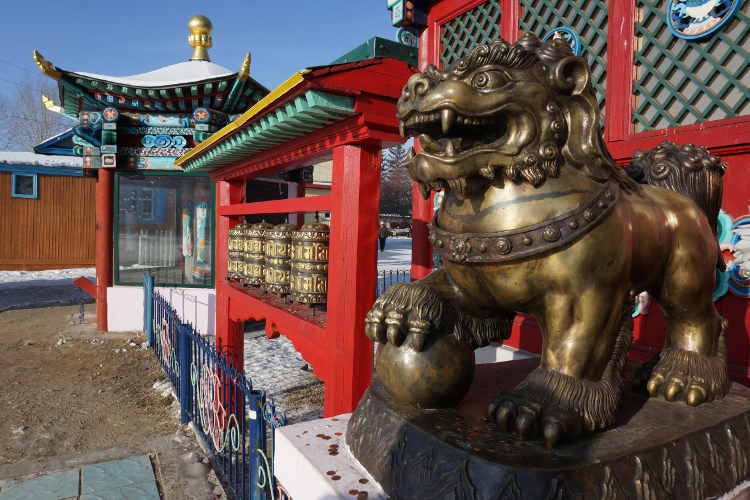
[33, 159]
[174, 74]
[397, 254]
[41, 277]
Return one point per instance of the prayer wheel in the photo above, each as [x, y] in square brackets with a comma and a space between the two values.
[255, 248]
[278, 258]
[235, 264]
[309, 280]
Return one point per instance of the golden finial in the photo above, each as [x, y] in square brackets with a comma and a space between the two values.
[244, 72]
[200, 37]
[46, 67]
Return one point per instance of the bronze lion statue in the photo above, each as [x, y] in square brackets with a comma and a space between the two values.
[537, 218]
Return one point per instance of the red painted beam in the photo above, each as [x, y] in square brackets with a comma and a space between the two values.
[86, 285]
[352, 274]
[288, 205]
[308, 338]
[228, 336]
[104, 238]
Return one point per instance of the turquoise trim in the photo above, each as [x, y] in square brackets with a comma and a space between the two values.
[311, 111]
[33, 196]
[39, 170]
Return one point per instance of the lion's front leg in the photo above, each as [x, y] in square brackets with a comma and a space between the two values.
[409, 312]
[578, 384]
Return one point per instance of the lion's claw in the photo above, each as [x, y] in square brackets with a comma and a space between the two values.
[530, 420]
[688, 376]
[399, 316]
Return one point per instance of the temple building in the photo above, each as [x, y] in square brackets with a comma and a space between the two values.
[150, 215]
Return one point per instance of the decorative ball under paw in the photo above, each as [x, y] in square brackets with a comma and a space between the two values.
[436, 377]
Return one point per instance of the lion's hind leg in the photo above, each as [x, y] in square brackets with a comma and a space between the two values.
[578, 385]
[692, 366]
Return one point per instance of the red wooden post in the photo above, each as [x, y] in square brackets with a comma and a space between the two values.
[421, 250]
[104, 238]
[351, 274]
[228, 334]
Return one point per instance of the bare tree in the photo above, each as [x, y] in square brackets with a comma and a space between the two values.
[24, 119]
[395, 189]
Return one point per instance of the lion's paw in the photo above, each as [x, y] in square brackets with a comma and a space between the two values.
[406, 311]
[689, 376]
[519, 413]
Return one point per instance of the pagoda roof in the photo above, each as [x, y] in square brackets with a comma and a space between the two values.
[169, 76]
[178, 88]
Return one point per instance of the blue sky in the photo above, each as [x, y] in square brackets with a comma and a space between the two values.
[134, 36]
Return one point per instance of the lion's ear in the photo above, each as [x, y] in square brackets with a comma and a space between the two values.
[570, 75]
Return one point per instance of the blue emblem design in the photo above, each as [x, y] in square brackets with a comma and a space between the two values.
[696, 19]
[569, 36]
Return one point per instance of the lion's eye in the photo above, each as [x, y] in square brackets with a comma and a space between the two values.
[489, 79]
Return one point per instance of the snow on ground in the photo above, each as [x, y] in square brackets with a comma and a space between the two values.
[51, 287]
[397, 254]
[12, 277]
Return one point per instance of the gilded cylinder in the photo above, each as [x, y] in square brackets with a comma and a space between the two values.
[278, 257]
[254, 253]
[309, 278]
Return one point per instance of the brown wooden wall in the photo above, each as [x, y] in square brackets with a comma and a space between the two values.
[55, 231]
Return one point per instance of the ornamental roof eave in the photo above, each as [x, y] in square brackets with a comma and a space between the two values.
[309, 100]
[176, 88]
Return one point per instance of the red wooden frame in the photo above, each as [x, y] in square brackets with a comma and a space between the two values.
[334, 343]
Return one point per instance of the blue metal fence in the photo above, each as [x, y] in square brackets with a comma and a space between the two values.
[235, 420]
[389, 277]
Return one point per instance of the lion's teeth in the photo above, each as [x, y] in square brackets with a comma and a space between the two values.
[447, 120]
[449, 149]
[402, 129]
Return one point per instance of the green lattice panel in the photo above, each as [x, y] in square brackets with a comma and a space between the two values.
[478, 25]
[587, 18]
[679, 82]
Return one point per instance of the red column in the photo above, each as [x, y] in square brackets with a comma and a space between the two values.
[351, 274]
[229, 334]
[104, 238]
[421, 250]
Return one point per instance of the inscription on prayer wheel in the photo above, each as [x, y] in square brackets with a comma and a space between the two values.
[254, 253]
[235, 261]
[278, 258]
[309, 279]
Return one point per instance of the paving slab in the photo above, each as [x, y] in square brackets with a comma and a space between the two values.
[52, 486]
[130, 478]
[107, 476]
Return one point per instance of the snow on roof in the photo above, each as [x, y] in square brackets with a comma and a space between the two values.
[33, 159]
[174, 74]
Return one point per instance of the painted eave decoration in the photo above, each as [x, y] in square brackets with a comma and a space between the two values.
[697, 19]
[179, 87]
[307, 101]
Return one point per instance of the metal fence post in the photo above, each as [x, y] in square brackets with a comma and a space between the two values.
[148, 307]
[183, 356]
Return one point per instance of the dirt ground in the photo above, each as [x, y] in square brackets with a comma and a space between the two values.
[70, 395]
[87, 392]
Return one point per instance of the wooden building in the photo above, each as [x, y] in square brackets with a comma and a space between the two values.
[663, 70]
[48, 212]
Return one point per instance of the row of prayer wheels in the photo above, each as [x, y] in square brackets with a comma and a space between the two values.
[284, 259]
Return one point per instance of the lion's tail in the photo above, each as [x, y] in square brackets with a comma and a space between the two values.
[687, 169]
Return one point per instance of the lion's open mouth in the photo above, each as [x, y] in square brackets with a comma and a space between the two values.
[448, 133]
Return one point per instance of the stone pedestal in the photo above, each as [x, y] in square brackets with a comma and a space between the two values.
[657, 450]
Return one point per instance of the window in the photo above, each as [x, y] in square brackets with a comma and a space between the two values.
[24, 186]
[164, 225]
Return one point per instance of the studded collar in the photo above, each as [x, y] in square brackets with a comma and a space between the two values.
[527, 241]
